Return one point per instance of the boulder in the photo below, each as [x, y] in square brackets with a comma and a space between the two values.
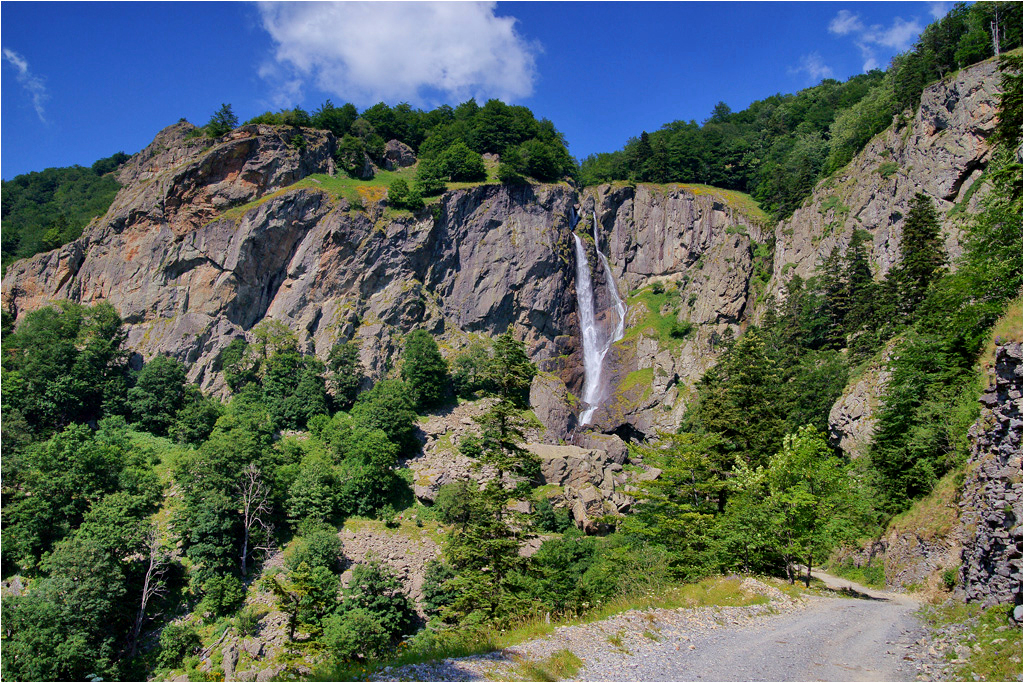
[551, 403]
[398, 155]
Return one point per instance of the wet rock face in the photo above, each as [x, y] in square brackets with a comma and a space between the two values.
[990, 510]
[941, 152]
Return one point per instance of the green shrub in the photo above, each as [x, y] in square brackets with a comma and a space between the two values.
[350, 156]
[318, 547]
[680, 330]
[176, 642]
[355, 634]
[247, 622]
[949, 578]
[888, 168]
[222, 595]
[451, 505]
[469, 369]
[400, 196]
[436, 593]
[424, 370]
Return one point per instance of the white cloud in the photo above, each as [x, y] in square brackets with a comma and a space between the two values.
[365, 52]
[898, 36]
[939, 9]
[814, 67]
[845, 22]
[32, 83]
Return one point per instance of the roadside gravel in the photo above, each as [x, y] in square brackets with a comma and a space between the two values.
[873, 637]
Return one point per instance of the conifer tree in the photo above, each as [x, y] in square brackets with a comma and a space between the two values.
[860, 296]
[921, 256]
[484, 549]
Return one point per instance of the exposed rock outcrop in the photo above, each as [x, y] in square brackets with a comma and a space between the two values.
[405, 550]
[941, 150]
[990, 511]
[188, 273]
[398, 155]
[851, 422]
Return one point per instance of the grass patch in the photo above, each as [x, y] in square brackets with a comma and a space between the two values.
[643, 377]
[1007, 328]
[435, 646]
[429, 529]
[356, 192]
[832, 203]
[934, 515]
[887, 169]
[993, 642]
[560, 666]
[666, 327]
[714, 591]
[547, 491]
[739, 201]
[615, 641]
[872, 575]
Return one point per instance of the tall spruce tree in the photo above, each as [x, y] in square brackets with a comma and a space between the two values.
[921, 256]
[484, 548]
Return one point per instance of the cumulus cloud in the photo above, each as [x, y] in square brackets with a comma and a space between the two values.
[365, 52]
[845, 22]
[939, 9]
[896, 37]
[814, 67]
[32, 83]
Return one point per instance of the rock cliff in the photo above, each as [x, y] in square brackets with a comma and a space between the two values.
[990, 510]
[941, 150]
[209, 237]
[697, 246]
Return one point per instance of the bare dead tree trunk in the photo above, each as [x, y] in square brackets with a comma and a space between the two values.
[152, 586]
[994, 27]
[255, 508]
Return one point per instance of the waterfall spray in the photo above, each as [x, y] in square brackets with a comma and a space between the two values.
[596, 343]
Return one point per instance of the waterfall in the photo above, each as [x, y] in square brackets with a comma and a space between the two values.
[595, 342]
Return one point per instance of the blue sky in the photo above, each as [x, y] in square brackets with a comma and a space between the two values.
[83, 80]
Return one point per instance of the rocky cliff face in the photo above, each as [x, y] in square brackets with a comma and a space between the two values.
[697, 244]
[942, 152]
[209, 237]
[990, 510]
[851, 422]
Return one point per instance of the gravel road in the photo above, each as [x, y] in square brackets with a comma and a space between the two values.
[831, 639]
[871, 637]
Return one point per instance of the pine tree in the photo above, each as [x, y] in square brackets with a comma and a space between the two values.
[834, 291]
[921, 256]
[861, 293]
[484, 548]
